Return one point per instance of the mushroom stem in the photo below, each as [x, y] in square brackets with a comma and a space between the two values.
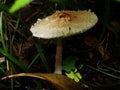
[58, 57]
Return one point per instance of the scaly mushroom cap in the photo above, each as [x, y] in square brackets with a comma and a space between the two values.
[64, 23]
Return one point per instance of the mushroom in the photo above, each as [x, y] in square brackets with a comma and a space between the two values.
[62, 24]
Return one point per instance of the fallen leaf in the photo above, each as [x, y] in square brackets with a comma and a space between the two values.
[61, 82]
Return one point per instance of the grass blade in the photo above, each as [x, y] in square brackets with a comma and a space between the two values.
[39, 49]
[1, 33]
[108, 74]
[14, 60]
[33, 61]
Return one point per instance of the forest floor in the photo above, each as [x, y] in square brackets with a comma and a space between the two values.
[97, 50]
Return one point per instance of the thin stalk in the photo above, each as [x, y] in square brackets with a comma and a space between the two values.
[108, 74]
[58, 57]
[12, 84]
[13, 36]
[44, 61]
[106, 18]
[34, 60]
[110, 68]
[1, 33]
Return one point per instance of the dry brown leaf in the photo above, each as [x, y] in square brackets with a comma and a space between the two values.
[61, 82]
[2, 59]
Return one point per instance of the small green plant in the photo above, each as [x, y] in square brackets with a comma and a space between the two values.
[75, 75]
[70, 68]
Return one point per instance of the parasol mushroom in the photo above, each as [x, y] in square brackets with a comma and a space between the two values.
[62, 24]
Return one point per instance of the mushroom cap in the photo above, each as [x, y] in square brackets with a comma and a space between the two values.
[64, 23]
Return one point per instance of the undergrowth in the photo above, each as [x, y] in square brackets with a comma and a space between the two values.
[12, 42]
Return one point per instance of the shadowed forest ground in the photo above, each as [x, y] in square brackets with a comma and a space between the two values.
[97, 50]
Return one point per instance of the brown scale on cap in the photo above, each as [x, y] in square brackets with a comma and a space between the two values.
[64, 15]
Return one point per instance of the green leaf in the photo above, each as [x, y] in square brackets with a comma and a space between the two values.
[76, 79]
[69, 64]
[74, 75]
[78, 75]
[70, 75]
[19, 4]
